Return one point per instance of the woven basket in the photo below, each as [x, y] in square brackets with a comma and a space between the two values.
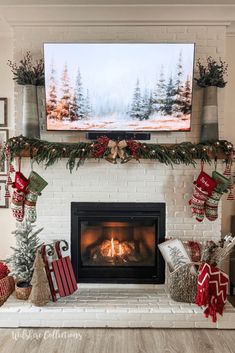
[22, 293]
[7, 286]
[183, 283]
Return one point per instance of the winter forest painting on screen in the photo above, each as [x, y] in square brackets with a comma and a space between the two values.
[115, 87]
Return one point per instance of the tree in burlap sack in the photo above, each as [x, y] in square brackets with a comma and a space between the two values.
[40, 293]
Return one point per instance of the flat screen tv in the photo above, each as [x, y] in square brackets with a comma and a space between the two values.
[119, 87]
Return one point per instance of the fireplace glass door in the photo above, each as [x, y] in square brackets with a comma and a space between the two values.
[117, 242]
[121, 243]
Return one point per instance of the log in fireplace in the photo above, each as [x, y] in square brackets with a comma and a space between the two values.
[117, 242]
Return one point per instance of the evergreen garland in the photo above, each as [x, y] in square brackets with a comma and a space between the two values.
[50, 152]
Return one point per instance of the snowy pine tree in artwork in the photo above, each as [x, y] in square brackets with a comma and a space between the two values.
[159, 94]
[87, 104]
[147, 106]
[170, 97]
[65, 104]
[187, 97]
[52, 94]
[22, 259]
[136, 111]
[179, 88]
[79, 103]
[119, 87]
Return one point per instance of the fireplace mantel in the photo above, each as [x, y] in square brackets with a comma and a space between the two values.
[183, 153]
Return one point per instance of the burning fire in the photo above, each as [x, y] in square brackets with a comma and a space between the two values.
[113, 248]
[112, 252]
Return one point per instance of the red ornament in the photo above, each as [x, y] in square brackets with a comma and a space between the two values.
[134, 147]
[4, 270]
[100, 146]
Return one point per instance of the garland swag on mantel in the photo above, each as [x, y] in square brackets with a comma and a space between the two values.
[50, 152]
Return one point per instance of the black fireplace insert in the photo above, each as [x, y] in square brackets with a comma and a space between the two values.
[117, 242]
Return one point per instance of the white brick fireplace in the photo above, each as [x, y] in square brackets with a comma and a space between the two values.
[100, 181]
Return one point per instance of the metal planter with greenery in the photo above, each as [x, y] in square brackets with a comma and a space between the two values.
[30, 75]
[211, 75]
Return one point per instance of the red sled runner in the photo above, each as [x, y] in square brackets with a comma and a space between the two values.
[64, 282]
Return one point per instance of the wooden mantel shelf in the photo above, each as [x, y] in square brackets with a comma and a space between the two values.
[183, 153]
[27, 153]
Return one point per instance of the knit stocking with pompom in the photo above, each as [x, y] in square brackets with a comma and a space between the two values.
[212, 202]
[17, 203]
[36, 185]
[204, 186]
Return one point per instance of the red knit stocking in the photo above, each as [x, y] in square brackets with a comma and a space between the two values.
[18, 197]
[203, 188]
[197, 203]
[17, 205]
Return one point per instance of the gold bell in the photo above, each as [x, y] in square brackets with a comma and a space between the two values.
[111, 160]
[126, 159]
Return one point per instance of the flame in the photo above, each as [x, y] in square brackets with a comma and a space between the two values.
[113, 248]
[112, 251]
[120, 250]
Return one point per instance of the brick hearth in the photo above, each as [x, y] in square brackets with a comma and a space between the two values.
[113, 306]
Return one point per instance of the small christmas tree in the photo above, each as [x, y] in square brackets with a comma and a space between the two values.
[40, 294]
[27, 243]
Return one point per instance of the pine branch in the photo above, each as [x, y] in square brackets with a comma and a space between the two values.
[49, 153]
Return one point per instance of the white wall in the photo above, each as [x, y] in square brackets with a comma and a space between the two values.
[6, 90]
[229, 123]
